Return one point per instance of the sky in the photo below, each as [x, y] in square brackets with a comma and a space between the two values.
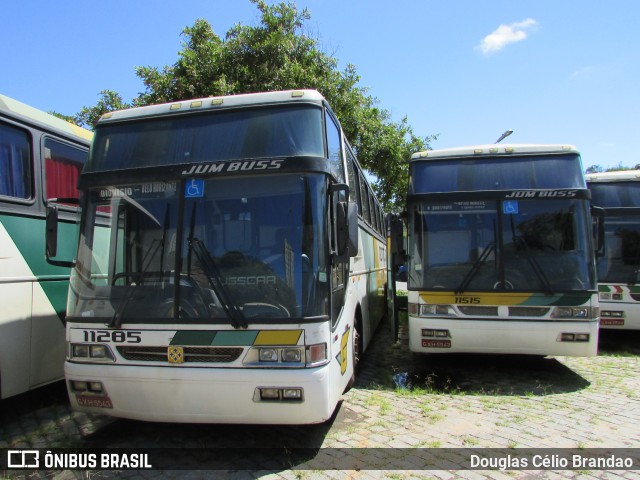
[552, 71]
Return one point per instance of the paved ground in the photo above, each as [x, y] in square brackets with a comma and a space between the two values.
[419, 409]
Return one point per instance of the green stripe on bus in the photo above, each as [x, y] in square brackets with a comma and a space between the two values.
[28, 234]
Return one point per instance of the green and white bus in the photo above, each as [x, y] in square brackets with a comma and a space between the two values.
[618, 193]
[231, 266]
[500, 252]
[40, 158]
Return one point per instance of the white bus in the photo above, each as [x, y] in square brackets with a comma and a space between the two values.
[231, 266]
[618, 193]
[40, 158]
[500, 252]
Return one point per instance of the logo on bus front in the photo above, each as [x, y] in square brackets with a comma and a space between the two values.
[175, 354]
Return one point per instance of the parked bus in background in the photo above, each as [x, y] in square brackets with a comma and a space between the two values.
[618, 193]
[500, 252]
[231, 265]
[40, 158]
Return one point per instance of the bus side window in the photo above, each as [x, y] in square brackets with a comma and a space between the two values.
[15, 163]
[334, 149]
[365, 199]
[354, 193]
[63, 164]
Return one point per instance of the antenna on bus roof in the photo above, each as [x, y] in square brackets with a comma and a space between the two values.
[504, 135]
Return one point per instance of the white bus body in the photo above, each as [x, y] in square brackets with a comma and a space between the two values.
[40, 157]
[618, 193]
[500, 252]
[255, 206]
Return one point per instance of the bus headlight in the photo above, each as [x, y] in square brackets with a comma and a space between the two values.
[575, 313]
[79, 350]
[268, 355]
[91, 352]
[423, 310]
[291, 355]
[287, 357]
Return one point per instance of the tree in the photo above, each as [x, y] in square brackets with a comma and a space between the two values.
[616, 168]
[278, 54]
[110, 100]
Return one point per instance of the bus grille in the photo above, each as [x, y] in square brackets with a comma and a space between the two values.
[191, 354]
[479, 311]
[528, 311]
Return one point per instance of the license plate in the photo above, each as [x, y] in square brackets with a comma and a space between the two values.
[436, 343]
[91, 401]
[612, 321]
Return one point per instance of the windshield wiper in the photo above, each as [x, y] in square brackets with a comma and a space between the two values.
[535, 266]
[116, 321]
[213, 275]
[488, 250]
[533, 263]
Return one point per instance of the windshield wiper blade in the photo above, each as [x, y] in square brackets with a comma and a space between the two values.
[116, 321]
[488, 250]
[535, 266]
[210, 270]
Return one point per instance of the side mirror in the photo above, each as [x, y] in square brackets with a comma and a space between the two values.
[346, 223]
[395, 232]
[52, 231]
[597, 215]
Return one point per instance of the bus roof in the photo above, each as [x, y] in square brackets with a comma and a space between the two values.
[494, 150]
[22, 111]
[623, 175]
[216, 103]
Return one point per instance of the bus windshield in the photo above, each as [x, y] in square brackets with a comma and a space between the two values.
[497, 173]
[489, 245]
[615, 194]
[621, 260]
[239, 249]
[227, 135]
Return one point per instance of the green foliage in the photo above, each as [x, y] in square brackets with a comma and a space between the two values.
[616, 168]
[278, 54]
[66, 118]
[108, 102]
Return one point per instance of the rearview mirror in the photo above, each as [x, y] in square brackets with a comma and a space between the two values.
[52, 224]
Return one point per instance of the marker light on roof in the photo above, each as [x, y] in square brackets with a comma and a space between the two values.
[175, 106]
[217, 101]
[297, 94]
[196, 104]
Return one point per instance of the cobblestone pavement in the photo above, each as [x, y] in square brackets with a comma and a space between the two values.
[403, 403]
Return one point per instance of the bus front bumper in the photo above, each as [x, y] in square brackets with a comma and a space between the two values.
[503, 337]
[201, 395]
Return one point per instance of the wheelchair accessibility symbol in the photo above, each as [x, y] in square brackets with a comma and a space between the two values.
[510, 207]
[194, 188]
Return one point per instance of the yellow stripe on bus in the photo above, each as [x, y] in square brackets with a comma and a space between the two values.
[474, 298]
[278, 337]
